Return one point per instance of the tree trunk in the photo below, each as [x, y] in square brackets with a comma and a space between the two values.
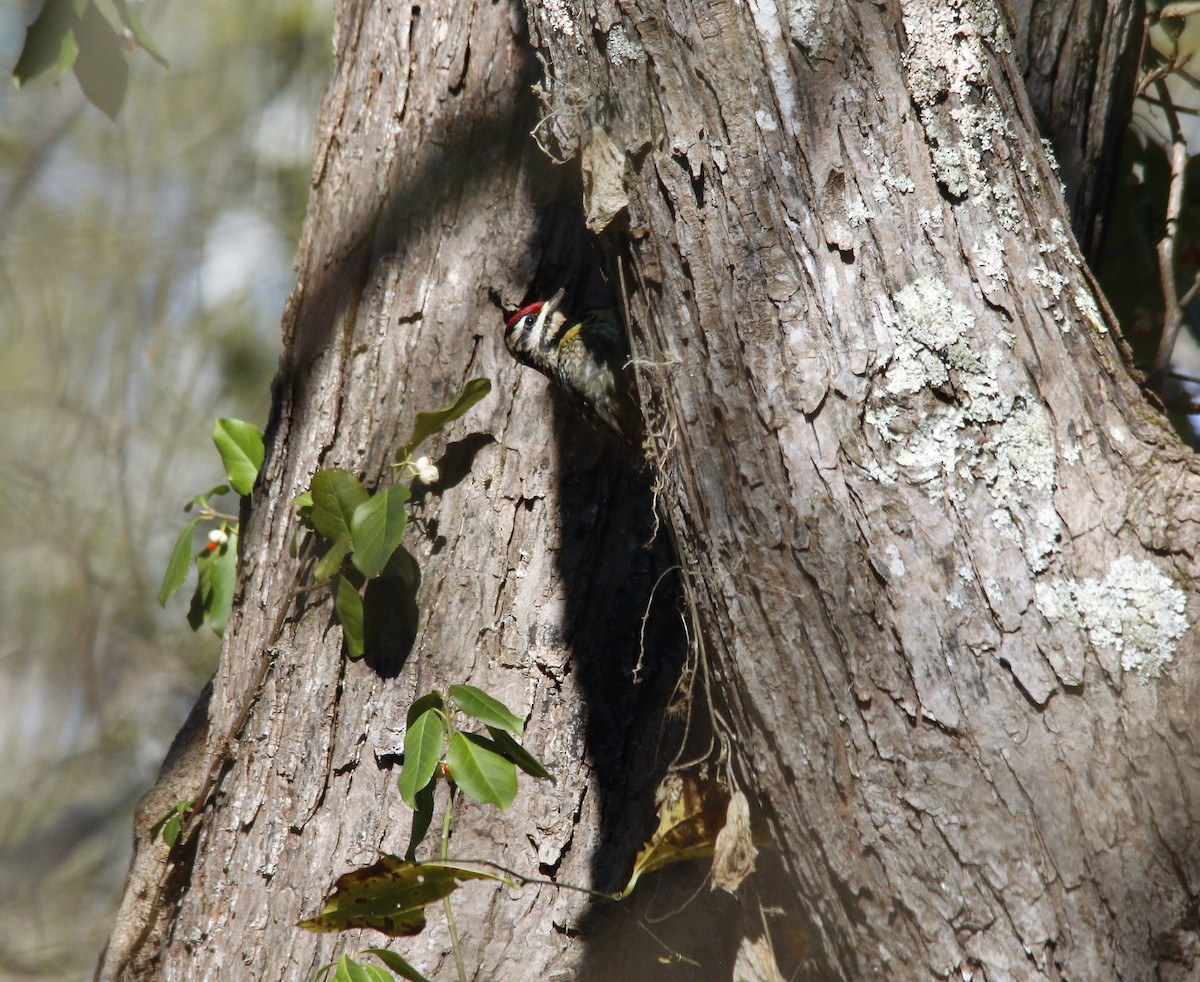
[430, 200]
[897, 432]
[936, 544]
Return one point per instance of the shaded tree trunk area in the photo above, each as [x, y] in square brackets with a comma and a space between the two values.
[910, 562]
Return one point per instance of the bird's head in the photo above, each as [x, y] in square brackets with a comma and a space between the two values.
[526, 328]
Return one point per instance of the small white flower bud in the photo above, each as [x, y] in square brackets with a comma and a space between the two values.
[427, 473]
[218, 537]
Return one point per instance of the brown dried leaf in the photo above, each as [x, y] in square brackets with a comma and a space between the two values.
[690, 815]
[733, 859]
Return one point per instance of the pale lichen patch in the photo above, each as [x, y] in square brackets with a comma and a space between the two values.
[558, 16]
[930, 221]
[947, 73]
[857, 212]
[989, 256]
[1136, 611]
[1086, 306]
[1023, 453]
[932, 324]
[622, 49]
[993, 433]
[930, 454]
[804, 22]
[891, 183]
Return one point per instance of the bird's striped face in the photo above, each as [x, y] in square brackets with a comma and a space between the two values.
[523, 331]
[525, 334]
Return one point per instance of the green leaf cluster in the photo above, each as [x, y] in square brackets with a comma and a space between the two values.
[216, 577]
[484, 768]
[391, 895]
[88, 37]
[363, 531]
[242, 450]
[347, 969]
[365, 563]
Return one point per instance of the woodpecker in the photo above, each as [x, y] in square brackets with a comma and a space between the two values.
[587, 356]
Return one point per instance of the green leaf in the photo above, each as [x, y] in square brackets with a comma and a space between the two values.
[431, 700]
[390, 896]
[348, 970]
[179, 563]
[422, 751]
[138, 30]
[426, 424]
[347, 602]
[490, 712]
[396, 964]
[358, 972]
[335, 495]
[200, 596]
[170, 825]
[331, 562]
[100, 66]
[481, 771]
[519, 755]
[241, 447]
[222, 577]
[304, 506]
[421, 820]
[49, 42]
[67, 55]
[377, 526]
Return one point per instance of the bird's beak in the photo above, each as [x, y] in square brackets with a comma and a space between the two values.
[551, 305]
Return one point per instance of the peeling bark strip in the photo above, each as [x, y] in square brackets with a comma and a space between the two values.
[941, 550]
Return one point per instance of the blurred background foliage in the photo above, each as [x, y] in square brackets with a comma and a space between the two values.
[144, 264]
[1166, 114]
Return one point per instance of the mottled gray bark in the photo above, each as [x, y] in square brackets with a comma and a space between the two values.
[936, 545]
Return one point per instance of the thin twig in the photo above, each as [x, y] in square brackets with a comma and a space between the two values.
[636, 675]
[1154, 76]
[1173, 10]
[1172, 307]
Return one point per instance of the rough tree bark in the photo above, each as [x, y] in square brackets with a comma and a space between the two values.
[428, 196]
[938, 546]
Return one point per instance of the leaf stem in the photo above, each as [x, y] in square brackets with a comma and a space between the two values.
[521, 880]
[207, 511]
[458, 959]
